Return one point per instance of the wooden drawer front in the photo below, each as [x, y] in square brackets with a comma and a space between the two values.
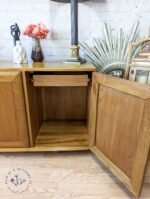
[60, 80]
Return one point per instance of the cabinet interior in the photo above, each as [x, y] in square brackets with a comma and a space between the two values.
[58, 115]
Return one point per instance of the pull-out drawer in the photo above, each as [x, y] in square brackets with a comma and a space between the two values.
[60, 80]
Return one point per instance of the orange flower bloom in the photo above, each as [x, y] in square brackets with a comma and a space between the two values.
[37, 31]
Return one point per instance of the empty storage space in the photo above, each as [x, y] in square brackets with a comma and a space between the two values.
[58, 110]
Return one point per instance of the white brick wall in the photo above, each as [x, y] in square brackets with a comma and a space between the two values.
[92, 15]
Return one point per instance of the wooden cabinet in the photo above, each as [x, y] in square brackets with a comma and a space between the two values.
[64, 108]
[13, 123]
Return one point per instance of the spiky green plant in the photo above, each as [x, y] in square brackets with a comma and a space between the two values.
[110, 51]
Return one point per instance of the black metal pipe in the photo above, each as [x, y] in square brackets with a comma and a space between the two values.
[75, 57]
[74, 22]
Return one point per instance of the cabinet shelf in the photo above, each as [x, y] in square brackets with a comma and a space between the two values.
[63, 134]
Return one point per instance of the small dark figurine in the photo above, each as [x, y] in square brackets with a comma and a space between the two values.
[15, 32]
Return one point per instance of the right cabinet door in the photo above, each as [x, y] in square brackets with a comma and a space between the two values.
[120, 137]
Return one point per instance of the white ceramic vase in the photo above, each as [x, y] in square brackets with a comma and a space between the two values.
[19, 54]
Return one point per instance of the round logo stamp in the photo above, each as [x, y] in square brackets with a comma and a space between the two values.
[18, 180]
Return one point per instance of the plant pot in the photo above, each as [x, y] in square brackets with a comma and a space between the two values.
[37, 53]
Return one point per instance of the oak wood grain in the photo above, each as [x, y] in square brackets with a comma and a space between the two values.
[62, 134]
[112, 166]
[132, 88]
[92, 112]
[32, 107]
[69, 103]
[45, 66]
[60, 80]
[142, 152]
[13, 120]
[122, 136]
[118, 126]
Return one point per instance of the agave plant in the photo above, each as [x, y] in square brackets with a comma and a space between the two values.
[110, 52]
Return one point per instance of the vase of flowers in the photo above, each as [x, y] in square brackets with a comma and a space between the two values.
[37, 53]
[36, 32]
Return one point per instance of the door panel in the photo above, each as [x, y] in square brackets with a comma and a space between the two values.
[118, 124]
[13, 124]
[122, 130]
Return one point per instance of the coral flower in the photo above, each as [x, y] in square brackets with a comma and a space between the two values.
[38, 31]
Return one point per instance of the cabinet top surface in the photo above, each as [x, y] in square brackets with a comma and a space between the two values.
[46, 66]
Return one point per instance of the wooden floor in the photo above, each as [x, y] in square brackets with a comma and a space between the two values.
[65, 175]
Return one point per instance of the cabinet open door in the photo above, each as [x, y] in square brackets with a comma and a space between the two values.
[120, 137]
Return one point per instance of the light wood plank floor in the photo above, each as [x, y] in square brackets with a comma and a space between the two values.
[72, 175]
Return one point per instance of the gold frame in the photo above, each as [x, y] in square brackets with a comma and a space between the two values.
[130, 47]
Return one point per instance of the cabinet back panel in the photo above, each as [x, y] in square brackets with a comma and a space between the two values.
[64, 103]
[119, 118]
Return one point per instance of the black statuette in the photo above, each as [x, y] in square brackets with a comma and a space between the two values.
[15, 32]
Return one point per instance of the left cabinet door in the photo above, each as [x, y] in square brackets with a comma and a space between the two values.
[13, 120]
